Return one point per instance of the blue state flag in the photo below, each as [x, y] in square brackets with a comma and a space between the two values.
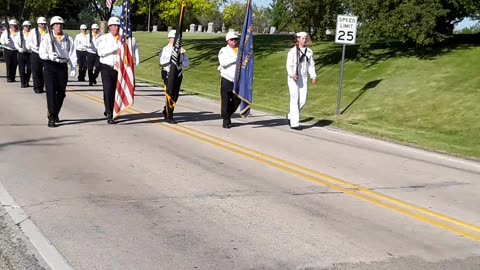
[242, 84]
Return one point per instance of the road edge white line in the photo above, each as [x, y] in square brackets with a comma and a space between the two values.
[49, 253]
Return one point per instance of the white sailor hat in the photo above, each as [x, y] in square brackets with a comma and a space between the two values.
[56, 19]
[41, 20]
[94, 26]
[171, 33]
[302, 34]
[231, 35]
[83, 27]
[12, 22]
[26, 23]
[113, 21]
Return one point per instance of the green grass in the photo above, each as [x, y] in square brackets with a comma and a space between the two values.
[428, 101]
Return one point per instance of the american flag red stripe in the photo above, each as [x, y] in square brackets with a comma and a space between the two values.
[125, 90]
[108, 3]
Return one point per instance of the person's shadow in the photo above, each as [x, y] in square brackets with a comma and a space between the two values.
[67, 122]
[157, 117]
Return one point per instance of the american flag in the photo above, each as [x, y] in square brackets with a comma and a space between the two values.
[109, 3]
[126, 75]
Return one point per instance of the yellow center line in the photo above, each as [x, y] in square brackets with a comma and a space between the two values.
[421, 214]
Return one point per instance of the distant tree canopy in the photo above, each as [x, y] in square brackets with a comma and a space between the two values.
[414, 22]
[31, 9]
[306, 15]
[423, 22]
[169, 11]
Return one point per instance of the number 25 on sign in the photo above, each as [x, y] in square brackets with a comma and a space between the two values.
[346, 30]
[345, 34]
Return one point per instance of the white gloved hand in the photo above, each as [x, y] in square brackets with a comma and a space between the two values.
[137, 62]
[73, 73]
[21, 50]
[53, 57]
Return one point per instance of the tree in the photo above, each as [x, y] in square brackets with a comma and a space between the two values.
[11, 9]
[31, 9]
[315, 16]
[423, 22]
[101, 9]
[281, 14]
[170, 10]
[262, 18]
[234, 14]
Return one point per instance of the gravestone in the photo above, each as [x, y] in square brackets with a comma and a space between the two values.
[192, 28]
[199, 28]
[210, 28]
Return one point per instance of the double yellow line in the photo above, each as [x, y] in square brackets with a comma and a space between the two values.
[418, 213]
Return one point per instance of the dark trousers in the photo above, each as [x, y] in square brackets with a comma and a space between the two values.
[109, 81]
[11, 62]
[174, 93]
[37, 72]
[56, 78]
[24, 68]
[82, 65]
[229, 101]
[93, 65]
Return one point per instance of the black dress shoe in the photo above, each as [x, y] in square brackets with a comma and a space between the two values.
[51, 124]
[111, 121]
[56, 119]
[296, 128]
[164, 113]
[90, 84]
[105, 114]
[170, 121]
[288, 120]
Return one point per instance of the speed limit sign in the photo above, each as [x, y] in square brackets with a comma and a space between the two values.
[346, 32]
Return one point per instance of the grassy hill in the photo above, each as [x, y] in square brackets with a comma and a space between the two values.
[429, 100]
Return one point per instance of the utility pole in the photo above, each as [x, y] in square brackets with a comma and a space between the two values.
[149, 8]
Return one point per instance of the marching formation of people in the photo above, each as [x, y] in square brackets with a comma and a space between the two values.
[47, 54]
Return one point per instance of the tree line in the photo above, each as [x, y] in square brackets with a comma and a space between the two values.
[417, 22]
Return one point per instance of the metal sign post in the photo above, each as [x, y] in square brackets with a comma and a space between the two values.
[345, 34]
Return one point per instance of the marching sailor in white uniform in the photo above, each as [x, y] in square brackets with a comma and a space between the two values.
[34, 40]
[299, 65]
[58, 52]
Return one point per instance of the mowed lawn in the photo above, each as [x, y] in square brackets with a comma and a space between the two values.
[430, 101]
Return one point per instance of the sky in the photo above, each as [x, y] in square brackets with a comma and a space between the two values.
[262, 3]
[465, 23]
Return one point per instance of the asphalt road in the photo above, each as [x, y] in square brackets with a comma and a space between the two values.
[144, 194]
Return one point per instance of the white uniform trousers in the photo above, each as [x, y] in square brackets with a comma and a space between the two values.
[298, 98]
